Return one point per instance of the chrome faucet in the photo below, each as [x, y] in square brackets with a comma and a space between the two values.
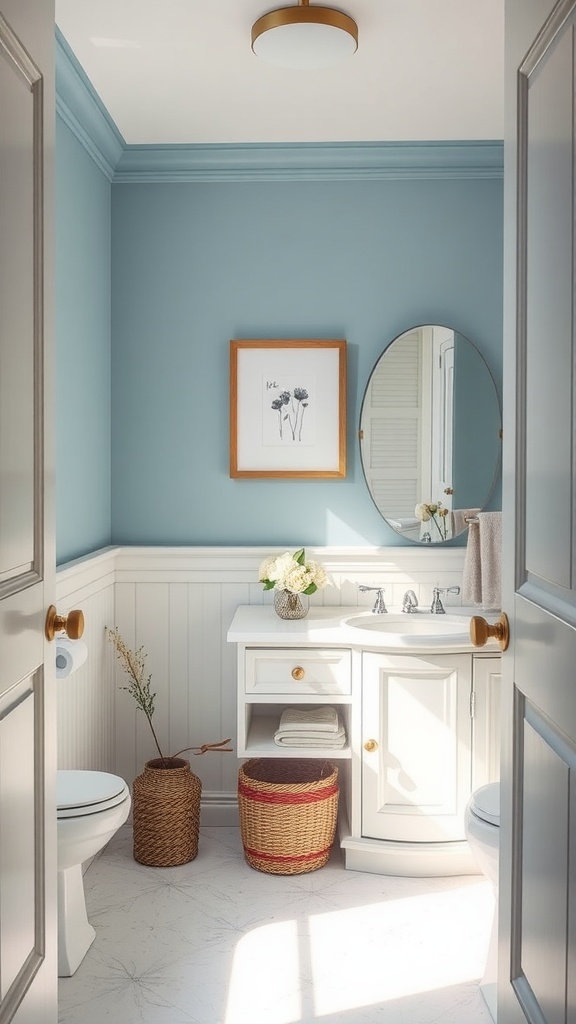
[437, 607]
[379, 606]
[410, 602]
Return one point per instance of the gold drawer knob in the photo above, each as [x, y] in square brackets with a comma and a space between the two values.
[298, 673]
[371, 745]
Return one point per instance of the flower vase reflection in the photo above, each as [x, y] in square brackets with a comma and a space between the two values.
[436, 515]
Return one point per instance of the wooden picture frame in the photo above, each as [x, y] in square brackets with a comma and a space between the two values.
[288, 408]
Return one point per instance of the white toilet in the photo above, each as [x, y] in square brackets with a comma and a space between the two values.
[91, 808]
[481, 823]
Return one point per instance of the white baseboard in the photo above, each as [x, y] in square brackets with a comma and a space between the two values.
[219, 809]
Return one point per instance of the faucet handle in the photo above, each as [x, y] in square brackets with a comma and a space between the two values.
[437, 606]
[379, 605]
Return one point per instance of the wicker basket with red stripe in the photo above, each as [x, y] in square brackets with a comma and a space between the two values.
[288, 810]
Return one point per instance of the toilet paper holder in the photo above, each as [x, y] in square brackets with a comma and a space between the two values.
[72, 624]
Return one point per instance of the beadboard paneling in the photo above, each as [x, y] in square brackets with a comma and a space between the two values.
[178, 603]
[86, 700]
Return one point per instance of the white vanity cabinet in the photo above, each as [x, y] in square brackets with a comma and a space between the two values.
[422, 728]
[416, 746]
[429, 737]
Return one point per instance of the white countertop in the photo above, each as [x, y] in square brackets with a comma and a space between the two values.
[259, 624]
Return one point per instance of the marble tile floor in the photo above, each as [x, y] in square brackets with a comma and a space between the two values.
[216, 942]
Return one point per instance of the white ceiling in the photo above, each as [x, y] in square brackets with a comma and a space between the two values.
[182, 71]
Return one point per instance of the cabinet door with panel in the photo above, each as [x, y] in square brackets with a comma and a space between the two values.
[486, 676]
[416, 746]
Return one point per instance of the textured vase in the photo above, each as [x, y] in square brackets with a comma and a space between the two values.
[166, 813]
[290, 606]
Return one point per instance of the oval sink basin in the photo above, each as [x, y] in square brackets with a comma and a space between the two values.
[418, 628]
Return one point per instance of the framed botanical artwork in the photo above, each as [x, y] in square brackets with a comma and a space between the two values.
[288, 408]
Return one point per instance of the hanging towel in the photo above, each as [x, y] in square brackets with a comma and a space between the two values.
[322, 719]
[482, 577]
[460, 517]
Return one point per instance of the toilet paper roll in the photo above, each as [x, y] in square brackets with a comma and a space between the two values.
[70, 655]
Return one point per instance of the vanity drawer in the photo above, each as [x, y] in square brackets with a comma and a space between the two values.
[292, 671]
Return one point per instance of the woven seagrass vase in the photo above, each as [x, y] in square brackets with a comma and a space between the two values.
[166, 813]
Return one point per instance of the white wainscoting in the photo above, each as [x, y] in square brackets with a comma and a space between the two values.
[86, 700]
[178, 603]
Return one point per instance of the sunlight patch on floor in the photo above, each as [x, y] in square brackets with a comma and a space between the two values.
[265, 986]
[397, 949]
[357, 957]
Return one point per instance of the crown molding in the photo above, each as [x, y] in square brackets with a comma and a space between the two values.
[366, 161]
[83, 112]
[80, 108]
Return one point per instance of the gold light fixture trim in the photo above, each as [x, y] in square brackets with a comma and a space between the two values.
[304, 14]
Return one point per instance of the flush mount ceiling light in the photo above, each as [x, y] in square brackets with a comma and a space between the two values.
[304, 36]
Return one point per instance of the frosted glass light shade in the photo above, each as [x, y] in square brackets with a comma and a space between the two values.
[304, 37]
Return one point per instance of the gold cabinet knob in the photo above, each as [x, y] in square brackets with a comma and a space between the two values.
[480, 630]
[72, 624]
[371, 745]
[298, 673]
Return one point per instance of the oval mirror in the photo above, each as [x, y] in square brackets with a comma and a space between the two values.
[430, 430]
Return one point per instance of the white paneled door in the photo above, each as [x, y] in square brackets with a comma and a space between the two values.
[27, 691]
[537, 980]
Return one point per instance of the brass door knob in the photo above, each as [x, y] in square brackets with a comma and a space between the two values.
[371, 745]
[298, 673]
[72, 624]
[480, 630]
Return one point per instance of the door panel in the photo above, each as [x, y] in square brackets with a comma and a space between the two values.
[27, 693]
[546, 108]
[18, 935]
[18, 81]
[538, 832]
[544, 845]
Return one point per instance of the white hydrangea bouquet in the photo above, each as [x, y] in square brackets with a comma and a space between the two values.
[294, 573]
[292, 576]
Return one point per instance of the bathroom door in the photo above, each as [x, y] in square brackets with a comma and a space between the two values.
[27, 692]
[537, 980]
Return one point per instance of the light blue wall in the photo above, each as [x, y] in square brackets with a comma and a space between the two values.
[82, 350]
[196, 264]
[476, 449]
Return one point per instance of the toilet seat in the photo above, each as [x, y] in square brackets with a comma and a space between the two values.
[79, 793]
[485, 803]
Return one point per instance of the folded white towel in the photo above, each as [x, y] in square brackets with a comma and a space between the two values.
[408, 523]
[322, 719]
[482, 576]
[310, 739]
